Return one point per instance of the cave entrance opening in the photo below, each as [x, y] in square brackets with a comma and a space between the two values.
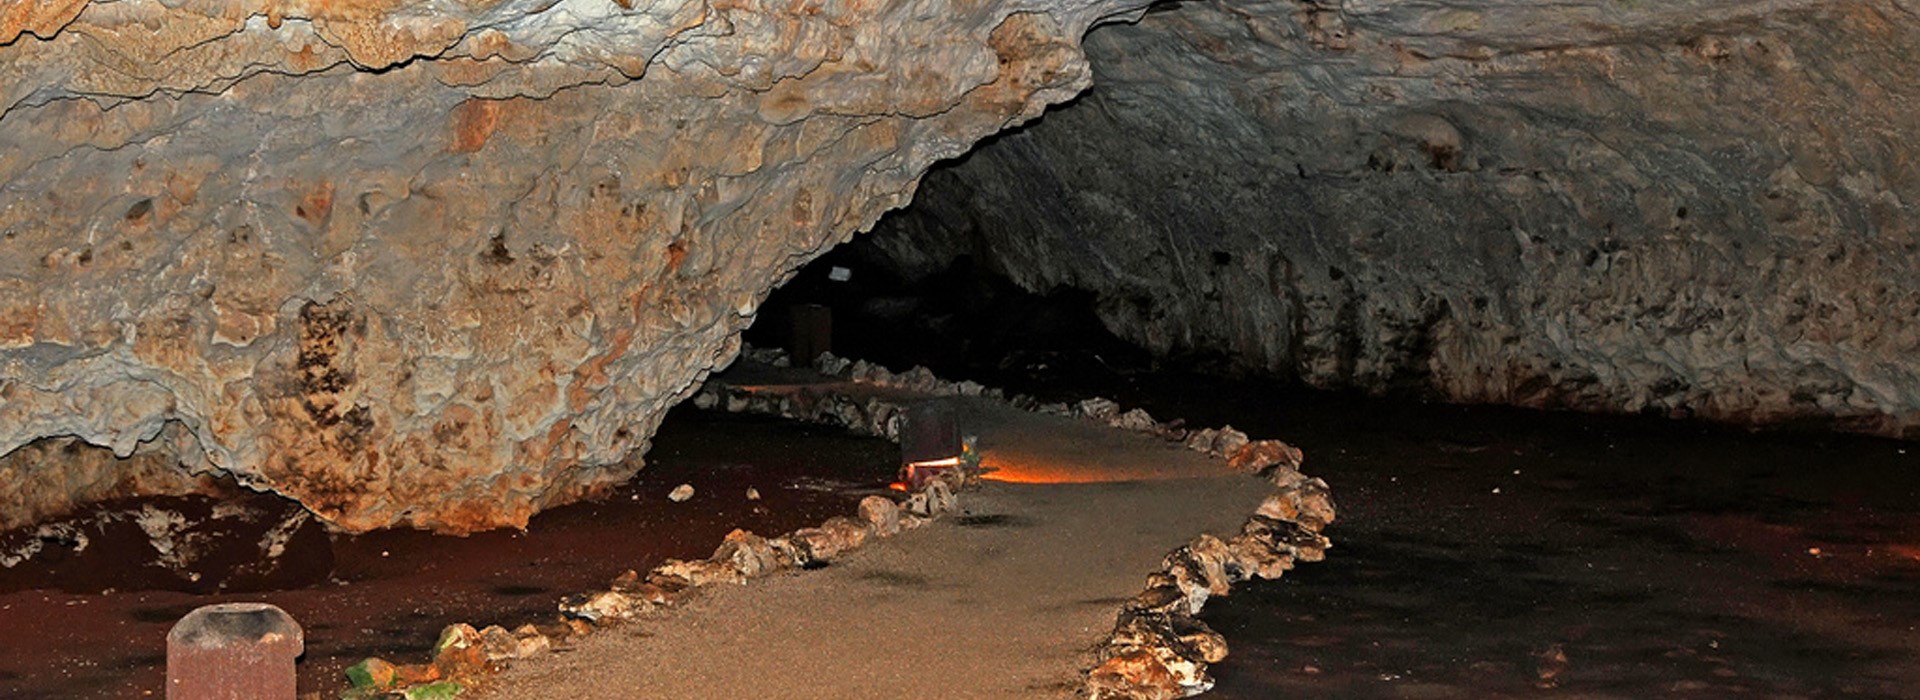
[960, 319]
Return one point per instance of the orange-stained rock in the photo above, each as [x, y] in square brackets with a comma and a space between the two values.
[1260, 455]
[41, 18]
[1137, 675]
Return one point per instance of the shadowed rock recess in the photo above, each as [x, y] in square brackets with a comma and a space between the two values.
[1695, 207]
[443, 264]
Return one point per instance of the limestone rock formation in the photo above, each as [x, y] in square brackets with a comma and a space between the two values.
[444, 264]
[1700, 207]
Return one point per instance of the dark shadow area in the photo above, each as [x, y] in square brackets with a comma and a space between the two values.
[239, 543]
[966, 319]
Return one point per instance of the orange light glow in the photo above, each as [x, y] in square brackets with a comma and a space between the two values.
[948, 462]
[1906, 550]
[1037, 476]
[900, 486]
[1034, 472]
[1034, 469]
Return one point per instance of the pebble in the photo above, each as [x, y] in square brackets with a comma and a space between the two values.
[681, 493]
[753, 494]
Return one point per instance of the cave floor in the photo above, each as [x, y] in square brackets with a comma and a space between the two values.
[1490, 552]
[390, 593]
[1481, 552]
[1005, 600]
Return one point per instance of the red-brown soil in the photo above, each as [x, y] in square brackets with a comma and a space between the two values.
[389, 593]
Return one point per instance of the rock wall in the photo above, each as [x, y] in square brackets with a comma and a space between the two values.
[1699, 207]
[443, 264]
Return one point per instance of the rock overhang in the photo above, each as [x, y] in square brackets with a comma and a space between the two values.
[445, 264]
[1696, 209]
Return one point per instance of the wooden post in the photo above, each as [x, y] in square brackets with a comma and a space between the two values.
[929, 441]
[812, 333]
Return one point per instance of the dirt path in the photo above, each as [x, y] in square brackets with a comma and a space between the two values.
[1002, 601]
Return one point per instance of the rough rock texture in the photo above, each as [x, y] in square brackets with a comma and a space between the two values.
[52, 476]
[1696, 207]
[443, 264]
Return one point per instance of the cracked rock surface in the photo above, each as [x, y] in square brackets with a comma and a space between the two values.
[443, 264]
[1699, 207]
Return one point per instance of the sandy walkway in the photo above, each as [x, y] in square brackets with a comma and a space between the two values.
[1003, 601]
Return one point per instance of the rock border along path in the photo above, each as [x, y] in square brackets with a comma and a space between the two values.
[1156, 649]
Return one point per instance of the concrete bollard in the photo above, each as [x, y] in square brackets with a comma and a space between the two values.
[233, 651]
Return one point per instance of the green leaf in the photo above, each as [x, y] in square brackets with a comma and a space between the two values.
[371, 674]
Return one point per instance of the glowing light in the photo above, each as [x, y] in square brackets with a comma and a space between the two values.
[1029, 468]
[1034, 476]
[1037, 472]
[917, 473]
